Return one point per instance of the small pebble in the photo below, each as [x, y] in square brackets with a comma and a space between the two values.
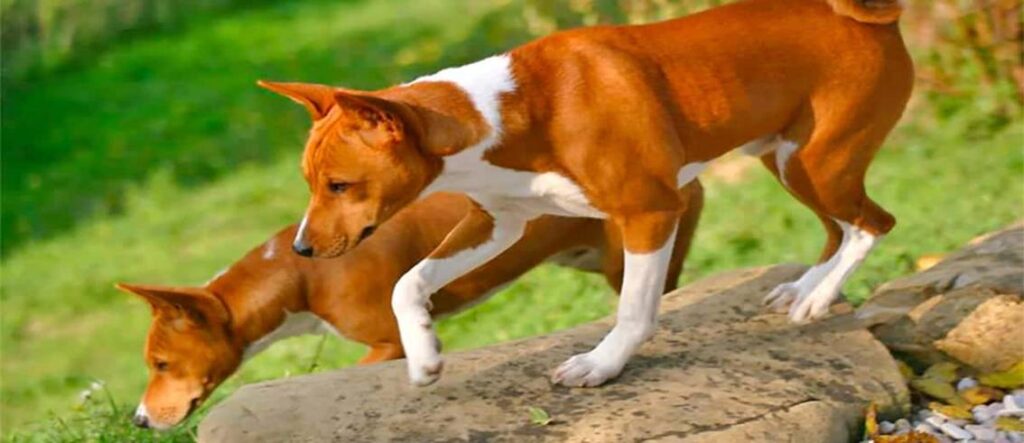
[1011, 407]
[925, 428]
[935, 421]
[903, 426]
[981, 432]
[981, 413]
[955, 431]
[966, 383]
[886, 427]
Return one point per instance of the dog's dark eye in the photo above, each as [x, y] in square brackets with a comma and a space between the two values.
[160, 365]
[337, 187]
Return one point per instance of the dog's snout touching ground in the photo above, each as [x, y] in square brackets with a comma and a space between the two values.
[140, 420]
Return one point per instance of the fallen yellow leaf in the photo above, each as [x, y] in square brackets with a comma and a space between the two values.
[871, 421]
[1010, 379]
[905, 370]
[980, 395]
[935, 388]
[1009, 424]
[945, 371]
[962, 412]
[911, 437]
[928, 260]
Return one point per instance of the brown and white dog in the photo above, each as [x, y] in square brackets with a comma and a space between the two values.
[610, 122]
[200, 335]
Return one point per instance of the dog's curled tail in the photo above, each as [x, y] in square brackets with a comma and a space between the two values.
[869, 11]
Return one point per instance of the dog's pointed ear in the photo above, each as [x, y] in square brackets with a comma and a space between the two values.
[382, 120]
[317, 99]
[199, 304]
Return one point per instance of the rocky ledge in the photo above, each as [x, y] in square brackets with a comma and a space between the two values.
[720, 369]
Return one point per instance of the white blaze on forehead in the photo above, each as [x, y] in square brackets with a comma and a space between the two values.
[302, 228]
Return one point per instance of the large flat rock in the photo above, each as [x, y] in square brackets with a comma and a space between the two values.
[719, 370]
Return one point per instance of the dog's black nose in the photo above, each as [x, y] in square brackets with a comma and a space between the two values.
[367, 231]
[141, 421]
[303, 250]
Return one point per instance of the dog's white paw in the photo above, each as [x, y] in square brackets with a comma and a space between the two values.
[423, 355]
[584, 370]
[782, 297]
[801, 303]
[426, 372]
[812, 305]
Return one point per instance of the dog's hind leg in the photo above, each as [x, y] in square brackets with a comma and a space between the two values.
[827, 175]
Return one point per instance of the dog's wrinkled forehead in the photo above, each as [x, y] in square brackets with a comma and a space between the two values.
[333, 142]
[324, 138]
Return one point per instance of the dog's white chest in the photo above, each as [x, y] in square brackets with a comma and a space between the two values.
[295, 324]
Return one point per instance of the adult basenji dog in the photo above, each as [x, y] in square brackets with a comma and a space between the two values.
[200, 335]
[610, 122]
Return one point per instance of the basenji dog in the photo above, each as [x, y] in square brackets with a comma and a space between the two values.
[610, 122]
[200, 335]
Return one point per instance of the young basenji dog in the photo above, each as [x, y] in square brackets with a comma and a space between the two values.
[610, 122]
[200, 335]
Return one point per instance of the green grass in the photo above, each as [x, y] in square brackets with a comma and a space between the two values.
[161, 162]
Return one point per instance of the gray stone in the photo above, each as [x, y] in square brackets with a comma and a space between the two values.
[719, 369]
[910, 314]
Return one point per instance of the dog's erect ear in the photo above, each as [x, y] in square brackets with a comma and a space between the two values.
[381, 120]
[197, 303]
[317, 99]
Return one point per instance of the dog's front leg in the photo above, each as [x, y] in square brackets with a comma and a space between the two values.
[479, 237]
[648, 240]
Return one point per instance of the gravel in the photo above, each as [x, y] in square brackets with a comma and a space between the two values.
[982, 429]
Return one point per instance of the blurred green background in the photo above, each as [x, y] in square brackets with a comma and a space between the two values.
[136, 147]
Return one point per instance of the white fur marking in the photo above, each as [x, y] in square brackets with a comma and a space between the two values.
[642, 286]
[545, 193]
[811, 295]
[689, 172]
[411, 298]
[141, 411]
[783, 151]
[270, 249]
[298, 323]
[484, 81]
[758, 147]
[301, 233]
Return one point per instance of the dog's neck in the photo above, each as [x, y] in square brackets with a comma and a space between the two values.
[458, 116]
[260, 292]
